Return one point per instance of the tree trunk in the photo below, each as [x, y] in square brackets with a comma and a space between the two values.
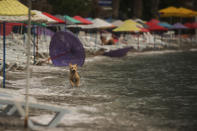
[115, 8]
[154, 9]
[195, 5]
[138, 8]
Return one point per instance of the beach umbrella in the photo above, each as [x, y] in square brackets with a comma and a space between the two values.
[117, 23]
[70, 20]
[189, 25]
[131, 26]
[99, 24]
[89, 18]
[143, 23]
[82, 20]
[39, 31]
[8, 29]
[177, 12]
[155, 21]
[169, 11]
[128, 26]
[194, 24]
[179, 27]
[49, 19]
[54, 18]
[66, 48]
[139, 20]
[155, 27]
[165, 24]
[184, 12]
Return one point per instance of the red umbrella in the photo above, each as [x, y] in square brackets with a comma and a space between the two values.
[189, 25]
[82, 20]
[194, 24]
[8, 29]
[144, 30]
[154, 21]
[15, 24]
[155, 27]
[54, 18]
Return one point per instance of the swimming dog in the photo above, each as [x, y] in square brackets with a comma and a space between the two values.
[74, 76]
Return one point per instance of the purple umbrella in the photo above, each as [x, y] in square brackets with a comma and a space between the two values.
[178, 26]
[66, 48]
[41, 30]
[118, 53]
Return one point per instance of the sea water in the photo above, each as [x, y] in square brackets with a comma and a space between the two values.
[151, 91]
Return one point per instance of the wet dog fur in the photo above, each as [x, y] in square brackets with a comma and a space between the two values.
[74, 76]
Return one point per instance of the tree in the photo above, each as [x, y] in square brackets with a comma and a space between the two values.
[115, 8]
[155, 7]
[138, 8]
[71, 7]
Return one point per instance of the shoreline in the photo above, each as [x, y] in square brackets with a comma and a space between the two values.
[90, 57]
[143, 52]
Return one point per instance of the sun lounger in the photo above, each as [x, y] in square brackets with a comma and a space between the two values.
[14, 104]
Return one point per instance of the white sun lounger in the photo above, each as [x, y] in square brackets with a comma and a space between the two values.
[15, 104]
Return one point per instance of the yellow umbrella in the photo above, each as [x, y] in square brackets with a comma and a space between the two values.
[178, 12]
[128, 26]
[183, 12]
[14, 11]
[169, 11]
[12, 8]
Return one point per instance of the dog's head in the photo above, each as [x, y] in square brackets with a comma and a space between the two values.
[73, 68]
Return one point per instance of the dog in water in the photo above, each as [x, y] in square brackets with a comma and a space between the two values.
[74, 76]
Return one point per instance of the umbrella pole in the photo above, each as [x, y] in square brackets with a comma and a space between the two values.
[179, 31]
[95, 38]
[37, 43]
[4, 54]
[28, 71]
[138, 43]
[195, 30]
[34, 48]
[154, 39]
[0, 31]
[21, 29]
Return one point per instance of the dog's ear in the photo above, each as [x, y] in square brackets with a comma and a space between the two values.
[75, 65]
[70, 64]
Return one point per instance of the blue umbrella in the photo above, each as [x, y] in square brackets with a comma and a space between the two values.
[165, 24]
[66, 48]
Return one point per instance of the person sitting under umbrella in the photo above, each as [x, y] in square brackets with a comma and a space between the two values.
[107, 42]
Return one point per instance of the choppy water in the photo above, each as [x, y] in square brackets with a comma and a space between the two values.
[148, 92]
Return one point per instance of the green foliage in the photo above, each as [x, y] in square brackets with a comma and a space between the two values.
[166, 3]
[87, 8]
[71, 7]
[125, 9]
